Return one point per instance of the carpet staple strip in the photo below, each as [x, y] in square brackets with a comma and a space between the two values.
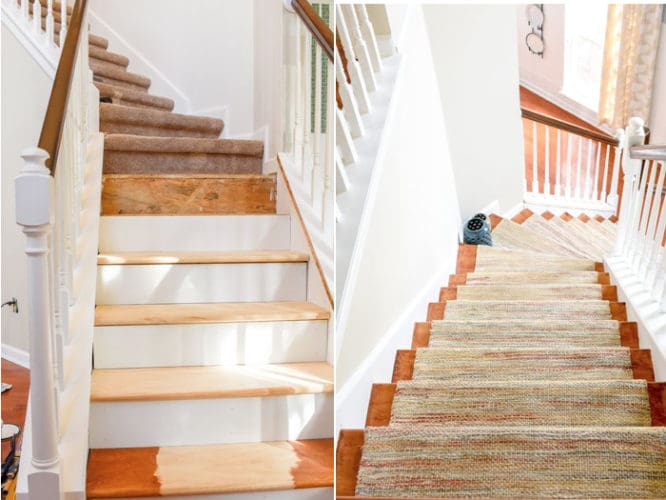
[552, 402]
[513, 462]
[514, 333]
[474, 364]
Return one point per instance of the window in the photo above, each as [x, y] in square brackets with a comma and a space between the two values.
[584, 32]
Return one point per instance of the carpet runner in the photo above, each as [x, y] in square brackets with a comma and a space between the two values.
[526, 382]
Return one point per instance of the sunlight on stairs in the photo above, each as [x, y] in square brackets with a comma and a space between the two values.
[210, 374]
[526, 381]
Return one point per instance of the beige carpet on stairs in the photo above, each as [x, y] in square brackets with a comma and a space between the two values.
[524, 390]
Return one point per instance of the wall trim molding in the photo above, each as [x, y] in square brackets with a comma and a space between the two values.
[16, 356]
[39, 52]
[130, 51]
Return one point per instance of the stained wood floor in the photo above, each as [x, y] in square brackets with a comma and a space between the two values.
[14, 401]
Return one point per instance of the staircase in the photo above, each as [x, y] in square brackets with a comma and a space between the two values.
[210, 375]
[209, 372]
[525, 381]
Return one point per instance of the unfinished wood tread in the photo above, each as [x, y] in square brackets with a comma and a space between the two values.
[188, 194]
[249, 257]
[206, 382]
[229, 312]
[210, 469]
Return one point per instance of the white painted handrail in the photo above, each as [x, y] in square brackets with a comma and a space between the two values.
[642, 222]
[307, 157]
[48, 207]
[570, 170]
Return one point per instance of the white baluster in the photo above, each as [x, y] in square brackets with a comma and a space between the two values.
[25, 10]
[579, 165]
[34, 198]
[328, 219]
[360, 48]
[342, 183]
[316, 175]
[586, 186]
[603, 195]
[50, 26]
[653, 243]
[546, 181]
[635, 135]
[595, 177]
[350, 107]
[298, 95]
[643, 215]
[36, 17]
[638, 197]
[353, 67]
[535, 167]
[369, 36]
[63, 22]
[307, 116]
[558, 165]
[344, 140]
[567, 188]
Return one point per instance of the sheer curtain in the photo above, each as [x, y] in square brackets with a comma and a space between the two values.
[630, 51]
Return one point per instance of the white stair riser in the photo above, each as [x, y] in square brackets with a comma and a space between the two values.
[194, 233]
[299, 494]
[211, 421]
[210, 344]
[188, 283]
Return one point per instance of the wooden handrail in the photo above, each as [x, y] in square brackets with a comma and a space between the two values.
[316, 25]
[566, 126]
[54, 120]
[648, 153]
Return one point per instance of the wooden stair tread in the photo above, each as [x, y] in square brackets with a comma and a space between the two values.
[229, 312]
[210, 469]
[201, 382]
[240, 257]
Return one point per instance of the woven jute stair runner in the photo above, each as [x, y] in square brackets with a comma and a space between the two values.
[528, 387]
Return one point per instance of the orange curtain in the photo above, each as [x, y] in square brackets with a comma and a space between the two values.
[630, 53]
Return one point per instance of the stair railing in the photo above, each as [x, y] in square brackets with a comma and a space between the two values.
[571, 166]
[307, 161]
[48, 207]
[357, 63]
[35, 21]
[642, 222]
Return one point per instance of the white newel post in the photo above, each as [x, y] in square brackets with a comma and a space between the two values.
[635, 136]
[34, 202]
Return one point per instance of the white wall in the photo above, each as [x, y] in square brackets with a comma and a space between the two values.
[411, 240]
[203, 48]
[547, 72]
[25, 94]
[658, 116]
[474, 51]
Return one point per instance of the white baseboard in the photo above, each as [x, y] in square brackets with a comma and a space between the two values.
[491, 208]
[16, 356]
[351, 400]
